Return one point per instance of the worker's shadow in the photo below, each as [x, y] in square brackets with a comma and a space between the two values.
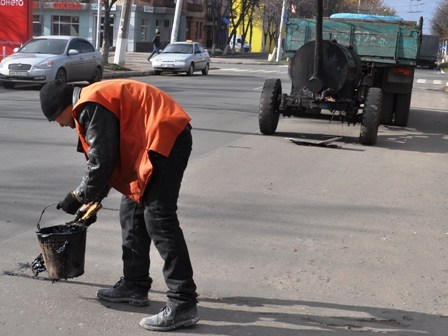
[262, 316]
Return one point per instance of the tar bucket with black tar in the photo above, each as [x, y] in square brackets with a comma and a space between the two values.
[63, 249]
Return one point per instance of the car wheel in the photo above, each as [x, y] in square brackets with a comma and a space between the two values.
[205, 70]
[190, 70]
[9, 85]
[97, 76]
[61, 75]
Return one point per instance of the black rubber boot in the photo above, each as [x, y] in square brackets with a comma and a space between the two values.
[124, 292]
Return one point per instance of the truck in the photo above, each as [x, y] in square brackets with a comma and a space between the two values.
[429, 51]
[356, 68]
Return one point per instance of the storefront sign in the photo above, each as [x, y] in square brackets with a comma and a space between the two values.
[16, 24]
[67, 5]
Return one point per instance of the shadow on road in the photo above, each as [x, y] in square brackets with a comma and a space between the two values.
[427, 132]
[262, 316]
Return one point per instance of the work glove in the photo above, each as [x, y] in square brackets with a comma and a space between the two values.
[90, 220]
[87, 213]
[70, 204]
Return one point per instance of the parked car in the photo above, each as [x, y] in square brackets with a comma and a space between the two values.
[237, 43]
[45, 58]
[185, 57]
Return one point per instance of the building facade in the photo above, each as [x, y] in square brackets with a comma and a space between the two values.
[147, 16]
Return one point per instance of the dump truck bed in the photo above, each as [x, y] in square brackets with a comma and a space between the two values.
[382, 41]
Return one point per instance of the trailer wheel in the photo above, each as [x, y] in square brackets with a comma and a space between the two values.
[371, 116]
[388, 109]
[269, 102]
[402, 106]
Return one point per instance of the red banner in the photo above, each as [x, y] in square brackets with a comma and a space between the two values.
[16, 24]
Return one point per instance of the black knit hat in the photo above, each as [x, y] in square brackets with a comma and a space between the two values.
[55, 96]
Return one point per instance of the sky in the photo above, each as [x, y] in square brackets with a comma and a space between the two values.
[411, 10]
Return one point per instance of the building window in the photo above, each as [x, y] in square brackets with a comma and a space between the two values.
[37, 25]
[198, 30]
[166, 23]
[188, 31]
[65, 25]
[144, 30]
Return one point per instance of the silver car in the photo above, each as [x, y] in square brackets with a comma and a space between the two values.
[185, 57]
[45, 58]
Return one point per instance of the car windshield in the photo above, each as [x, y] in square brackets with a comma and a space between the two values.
[179, 49]
[44, 46]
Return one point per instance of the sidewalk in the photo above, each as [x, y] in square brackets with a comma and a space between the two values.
[139, 66]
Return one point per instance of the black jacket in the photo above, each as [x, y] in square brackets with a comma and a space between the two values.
[102, 133]
[156, 41]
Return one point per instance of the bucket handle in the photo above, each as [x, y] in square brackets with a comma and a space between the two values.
[38, 222]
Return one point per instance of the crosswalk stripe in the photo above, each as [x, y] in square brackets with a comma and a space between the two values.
[435, 81]
[419, 80]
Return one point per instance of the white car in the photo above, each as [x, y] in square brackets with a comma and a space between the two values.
[185, 57]
[235, 43]
[45, 58]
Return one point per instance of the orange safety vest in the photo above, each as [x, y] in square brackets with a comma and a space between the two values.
[149, 119]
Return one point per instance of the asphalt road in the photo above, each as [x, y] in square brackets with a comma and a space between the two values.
[284, 239]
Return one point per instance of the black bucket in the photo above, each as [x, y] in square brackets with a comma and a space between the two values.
[63, 249]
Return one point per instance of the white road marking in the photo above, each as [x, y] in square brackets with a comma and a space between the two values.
[251, 70]
[435, 82]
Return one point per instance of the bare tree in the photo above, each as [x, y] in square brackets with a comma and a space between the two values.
[439, 23]
[268, 12]
[307, 8]
[241, 15]
[217, 11]
[108, 31]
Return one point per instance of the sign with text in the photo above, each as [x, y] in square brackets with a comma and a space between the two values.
[16, 24]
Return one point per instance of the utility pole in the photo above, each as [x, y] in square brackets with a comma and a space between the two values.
[123, 33]
[280, 31]
[177, 14]
[98, 26]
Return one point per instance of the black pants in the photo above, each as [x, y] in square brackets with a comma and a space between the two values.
[156, 220]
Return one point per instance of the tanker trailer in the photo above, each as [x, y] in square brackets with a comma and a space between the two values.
[356, 70]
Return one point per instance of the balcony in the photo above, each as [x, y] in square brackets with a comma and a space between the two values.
[164, 3]
[191, 7]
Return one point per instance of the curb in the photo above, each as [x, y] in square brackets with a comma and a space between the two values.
[110, 74]
[125, 74]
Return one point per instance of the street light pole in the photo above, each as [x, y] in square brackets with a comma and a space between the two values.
[282, 24]
[177, 14]
[98, 26]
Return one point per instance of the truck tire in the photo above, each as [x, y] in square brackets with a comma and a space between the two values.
[387, 113]
[371, 116]
[269, 102]
[402, 106]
